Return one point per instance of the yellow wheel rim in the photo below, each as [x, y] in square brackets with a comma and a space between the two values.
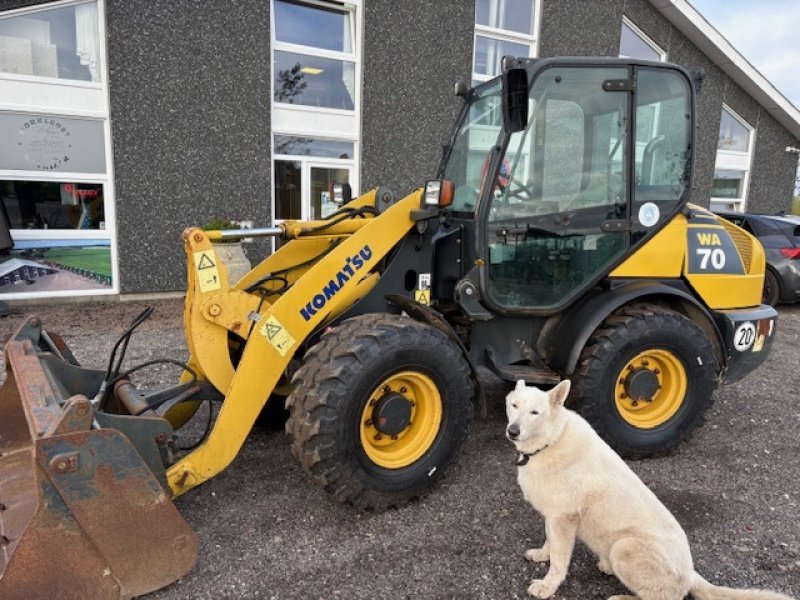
[648, 413]
[407, 446]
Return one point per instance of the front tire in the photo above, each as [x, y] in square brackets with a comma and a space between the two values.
[645, 380]
[379, 408]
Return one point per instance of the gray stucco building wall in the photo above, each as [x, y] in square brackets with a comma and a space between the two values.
[414, 51]
[190, 119]
[565, 31]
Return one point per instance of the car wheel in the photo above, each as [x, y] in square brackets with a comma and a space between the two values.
[772, 288]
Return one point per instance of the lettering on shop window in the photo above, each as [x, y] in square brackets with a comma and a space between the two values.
[45, 143]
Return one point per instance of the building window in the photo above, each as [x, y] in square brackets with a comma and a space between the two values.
[56, 42]
[732, 167]
[316, 112]
[633, 43]
[503, 27]
[304, 170]
[314, 61]
[56, 179]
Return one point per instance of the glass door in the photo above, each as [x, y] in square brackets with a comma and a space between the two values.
[302, 188]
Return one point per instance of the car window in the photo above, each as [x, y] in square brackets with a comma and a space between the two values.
[785, 231]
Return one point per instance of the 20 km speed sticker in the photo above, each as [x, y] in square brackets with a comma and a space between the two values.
[744, 336]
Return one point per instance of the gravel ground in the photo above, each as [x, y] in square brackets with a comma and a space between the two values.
[267, 532]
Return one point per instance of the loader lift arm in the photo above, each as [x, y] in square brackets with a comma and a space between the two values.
[320, 293]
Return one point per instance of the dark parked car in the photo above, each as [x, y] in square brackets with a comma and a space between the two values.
[780, 236]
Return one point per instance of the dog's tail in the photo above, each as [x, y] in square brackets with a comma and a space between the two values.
[703, 590]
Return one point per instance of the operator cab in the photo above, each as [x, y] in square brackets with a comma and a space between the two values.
[562, 189]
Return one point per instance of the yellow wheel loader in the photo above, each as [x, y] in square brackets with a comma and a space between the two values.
[556, 241]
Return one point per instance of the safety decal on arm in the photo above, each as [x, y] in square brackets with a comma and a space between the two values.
[711, 250]
[206, 271]
[277, 335]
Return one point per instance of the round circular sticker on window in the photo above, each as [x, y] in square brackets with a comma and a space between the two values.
[745, 336]
[649, 214]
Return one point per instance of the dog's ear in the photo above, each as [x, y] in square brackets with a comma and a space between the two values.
[559, 393]
[520, 385]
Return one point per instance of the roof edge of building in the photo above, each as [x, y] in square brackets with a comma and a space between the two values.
[713, 44]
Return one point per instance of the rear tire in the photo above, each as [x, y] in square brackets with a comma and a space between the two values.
[772, 288]
[358, 366]
[665, 351]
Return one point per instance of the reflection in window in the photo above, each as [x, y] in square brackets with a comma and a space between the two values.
[728, 184]
[662, 138]
[489, 52]
[511, 15]
[563, 153]
[733, 136]
[304, 146]
[566, 180]
[53, 205]
[288, 201]
[314, 81]
[634, 44]
[552, 171]
[321, 179]
[467, 162]
[312, 25]
[54, 42]
[56, 266]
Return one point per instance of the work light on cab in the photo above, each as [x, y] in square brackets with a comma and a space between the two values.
[438, 192]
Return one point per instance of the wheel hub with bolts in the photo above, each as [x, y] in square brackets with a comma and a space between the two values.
[392, 413]
[651, 388]
[642, 384]
[401, 419]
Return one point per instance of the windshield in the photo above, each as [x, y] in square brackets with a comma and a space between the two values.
[469, 155]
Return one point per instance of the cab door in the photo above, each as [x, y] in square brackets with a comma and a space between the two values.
[601, 165]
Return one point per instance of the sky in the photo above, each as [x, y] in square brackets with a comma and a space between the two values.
[766, 33]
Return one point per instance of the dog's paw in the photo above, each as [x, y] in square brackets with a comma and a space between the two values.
[605, 567]
[540, 588]
[537, 554]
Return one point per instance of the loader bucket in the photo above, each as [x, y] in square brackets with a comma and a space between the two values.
[83, 515]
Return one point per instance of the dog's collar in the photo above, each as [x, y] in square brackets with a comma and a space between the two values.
[524, 457]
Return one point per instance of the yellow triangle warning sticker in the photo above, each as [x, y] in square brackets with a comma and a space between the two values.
[205, 262]
[277, 335]
[271, 330]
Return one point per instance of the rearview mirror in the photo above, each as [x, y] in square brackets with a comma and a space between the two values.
[515, 99]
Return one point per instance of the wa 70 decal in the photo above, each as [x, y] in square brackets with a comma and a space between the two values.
[711, 250]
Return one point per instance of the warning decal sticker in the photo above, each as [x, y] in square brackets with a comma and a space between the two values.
[277, 335]
[423, 296]
[207, 272]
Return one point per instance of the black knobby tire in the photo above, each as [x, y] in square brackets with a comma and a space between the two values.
[623, 335]
[334, 384]
[772, 288]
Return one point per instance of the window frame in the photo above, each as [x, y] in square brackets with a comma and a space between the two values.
[626, 22]
[307, 161]
[506, 35]
[734, 160]
[353, 9]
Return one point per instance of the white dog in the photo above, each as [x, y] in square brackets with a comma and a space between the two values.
[584, 490]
